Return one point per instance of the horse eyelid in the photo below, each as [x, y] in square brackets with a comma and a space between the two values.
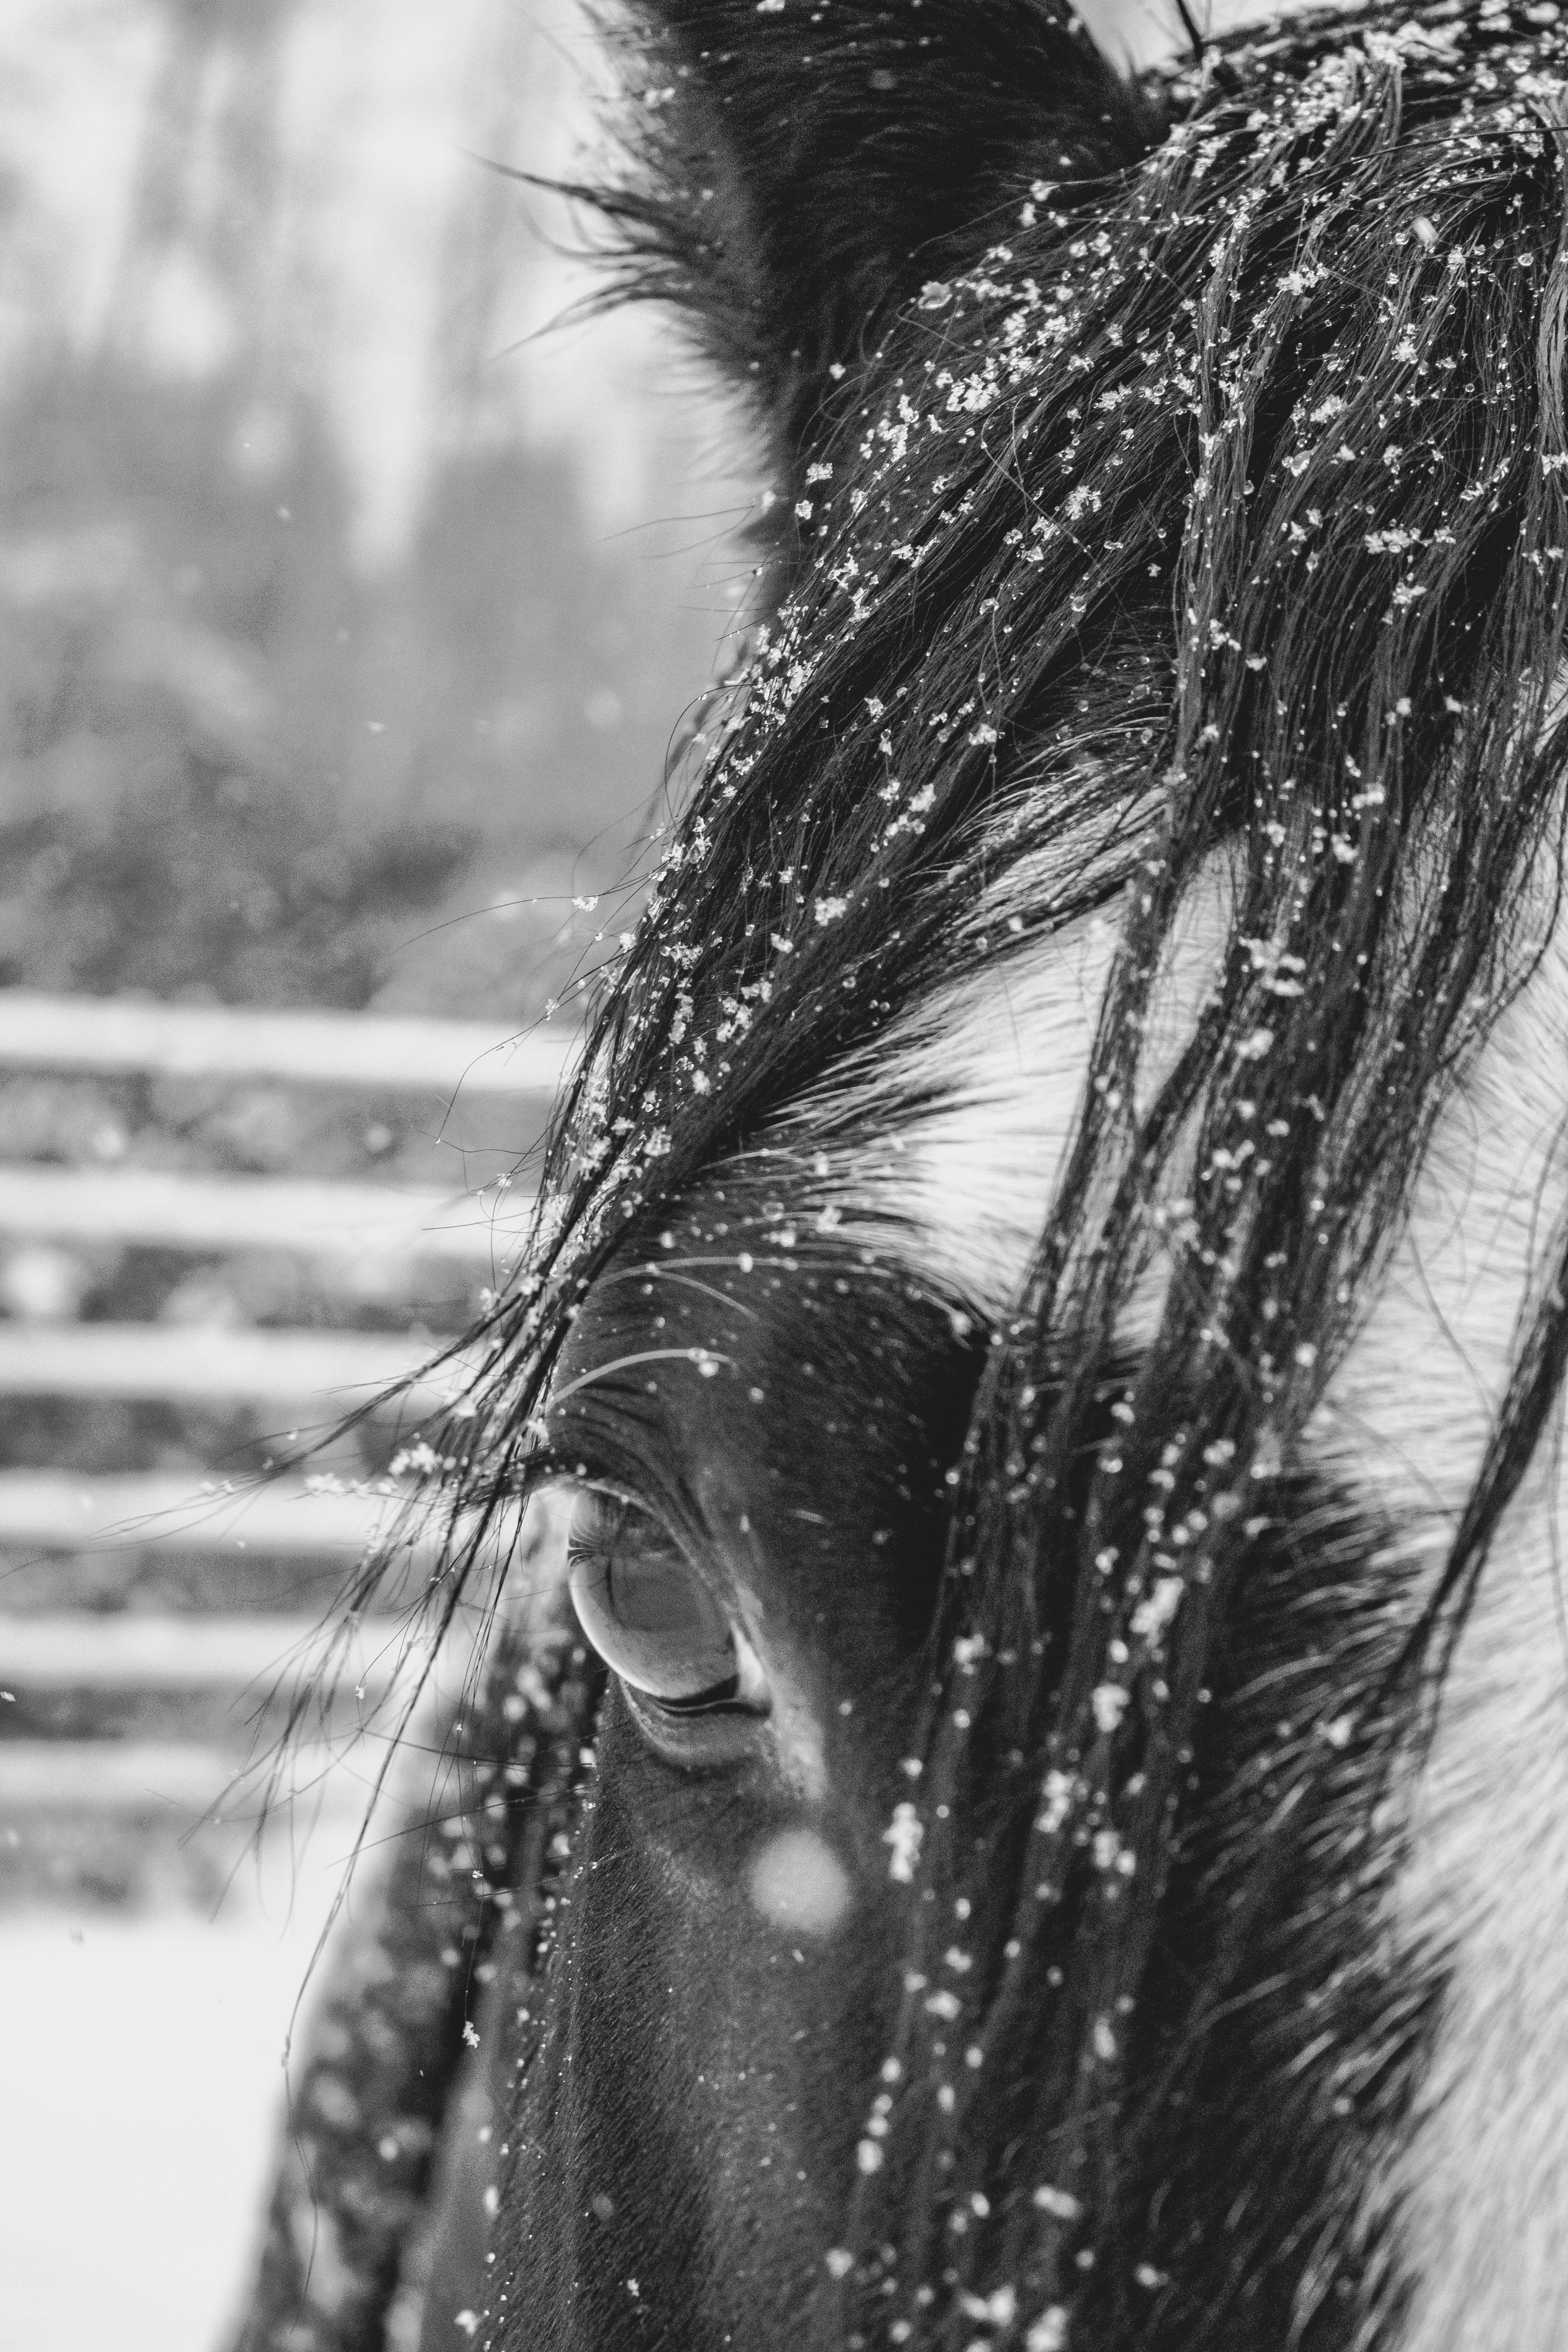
[743, 1690]
[598, 1542]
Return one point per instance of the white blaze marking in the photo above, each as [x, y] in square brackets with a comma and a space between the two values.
[1007, 1051]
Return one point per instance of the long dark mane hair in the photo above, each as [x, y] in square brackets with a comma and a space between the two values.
[1212, 519]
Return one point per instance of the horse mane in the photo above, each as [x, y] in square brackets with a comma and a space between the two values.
[1208, 500]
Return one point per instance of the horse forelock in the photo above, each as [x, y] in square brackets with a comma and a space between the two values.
[1204, 536]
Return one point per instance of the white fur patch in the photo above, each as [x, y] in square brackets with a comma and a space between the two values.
[1483, 2183]
[1003, 1054]
[1482, 2187]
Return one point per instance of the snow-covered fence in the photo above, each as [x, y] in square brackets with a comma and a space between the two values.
[72, 1678]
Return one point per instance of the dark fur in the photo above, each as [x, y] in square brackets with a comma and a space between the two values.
[802, 171]
[1208, 2059]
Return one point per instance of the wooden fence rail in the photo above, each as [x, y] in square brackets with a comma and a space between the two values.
[131, 1675]
[150, 1780]
[159, 1209]
[355, 1052]
[81, 1649]
[331, 1372]
[63, 1511]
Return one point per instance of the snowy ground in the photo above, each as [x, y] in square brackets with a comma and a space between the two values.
[140, 2085]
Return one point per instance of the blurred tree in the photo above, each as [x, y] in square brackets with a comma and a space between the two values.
[305, 698]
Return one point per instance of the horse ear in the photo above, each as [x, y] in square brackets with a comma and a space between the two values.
[804, 165]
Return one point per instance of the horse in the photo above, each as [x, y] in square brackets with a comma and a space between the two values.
[1039, 1368]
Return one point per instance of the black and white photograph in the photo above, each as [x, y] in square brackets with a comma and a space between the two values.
[783, 1176]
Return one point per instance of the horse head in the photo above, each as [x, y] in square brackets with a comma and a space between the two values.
[1051, 1284]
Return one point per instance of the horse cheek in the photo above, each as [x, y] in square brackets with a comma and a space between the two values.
[685, 2141]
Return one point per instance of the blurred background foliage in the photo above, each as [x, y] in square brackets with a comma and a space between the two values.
[349, 603]
[337, 655]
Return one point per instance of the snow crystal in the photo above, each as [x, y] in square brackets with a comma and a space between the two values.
[1060, 2203]
[904, 1834]
[1110, 1704]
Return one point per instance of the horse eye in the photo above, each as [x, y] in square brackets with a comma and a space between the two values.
[651, 1617]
